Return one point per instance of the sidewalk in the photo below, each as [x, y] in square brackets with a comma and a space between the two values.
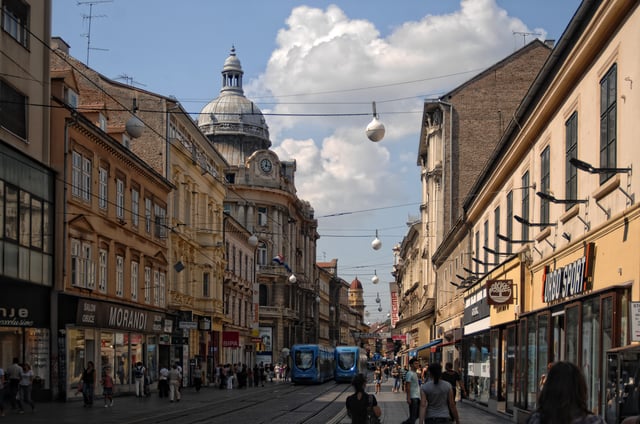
[395, 409]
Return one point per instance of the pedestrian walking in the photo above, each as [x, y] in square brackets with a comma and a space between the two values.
[437, 404]
[107, 388]
[453, 377]
[197, 377]
[361, 404]
[163, 382]
[26, 384]
[377, 379]
[13, 374]
[412, 389]
[138, 375]
[256, 375]
[395, 374]
[563, 398]
[174, 384]
[403, 374]
[88, 381]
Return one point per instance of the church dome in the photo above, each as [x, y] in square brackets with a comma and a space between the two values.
[356, 284]
[232, 112]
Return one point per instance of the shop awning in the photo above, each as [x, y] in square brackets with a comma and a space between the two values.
[428, 345]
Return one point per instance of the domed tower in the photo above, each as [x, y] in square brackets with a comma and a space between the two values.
[356, 296]
[233, 123]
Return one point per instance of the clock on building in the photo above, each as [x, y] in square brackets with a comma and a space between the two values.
[265, 165]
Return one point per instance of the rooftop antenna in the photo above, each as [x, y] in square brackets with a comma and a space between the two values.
[128, 80]
[89, 18]
[525, 35]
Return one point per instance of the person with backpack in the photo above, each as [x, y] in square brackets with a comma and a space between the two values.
[138, 375]
[362, 407]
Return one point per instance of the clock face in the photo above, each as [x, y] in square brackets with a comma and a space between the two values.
[265, 165]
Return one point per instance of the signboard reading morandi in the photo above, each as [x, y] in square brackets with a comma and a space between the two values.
[109, 315]
[499, 292]
[569, 280]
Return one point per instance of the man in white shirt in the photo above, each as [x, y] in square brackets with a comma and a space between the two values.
[412, 389]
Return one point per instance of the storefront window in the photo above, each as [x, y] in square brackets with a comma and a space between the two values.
[478, 369]
[81, 349]
[152, 357]
[494, 391]
[37, 355]
[123, 364]
[624, 318]
[107, 352]
[607, 338]
[521, 380]
[510, 366]
[532, 381]
[573, 325]
[137, 352]
[591, 349]
[543, 345]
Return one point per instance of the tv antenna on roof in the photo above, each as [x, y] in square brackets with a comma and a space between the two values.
[89, 18]
[525, 35]
[128, 80]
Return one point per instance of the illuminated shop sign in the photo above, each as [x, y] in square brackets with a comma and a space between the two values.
[570, 280]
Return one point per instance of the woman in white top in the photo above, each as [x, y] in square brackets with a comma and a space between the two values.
[26, 381]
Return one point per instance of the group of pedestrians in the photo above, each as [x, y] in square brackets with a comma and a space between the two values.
[562, 398]
[17, 382]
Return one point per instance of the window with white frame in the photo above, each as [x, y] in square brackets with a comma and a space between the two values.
[262, 216]
[147, 214]
[76, 263]
[119, 275]
[103, 187]
[262, 254]
[147, 284]
[89, 266]
[15, 20]
[160, 214]
[134, 280]
[82, 267]
[135, 206]
[14, 110]
[156, 287]
[102, 270]
[80, 176]
[120, 198]
[86, 179]
[163, 288]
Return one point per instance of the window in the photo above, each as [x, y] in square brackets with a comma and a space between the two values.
[147, 284]
[134, 280]
[163, 283]
[525, 205]
[135, 206]
[477, 252]
[120, 199]
[496, 231]
[102, 270]
[608, 109]
[71, 97]
[14, 110]
[509, 221]
[486, 243]
[160, 221]
[262, 254]
[147, 214]
[571, 173]
[126, 141]
[24, 224]
[545, 172]
[82, 267]
[206, 289]
[15, 20]
[86, 179]
[102, 122]
[103, 187]
[119, 275]
[262, 216]
[89, 266]
[156, 287]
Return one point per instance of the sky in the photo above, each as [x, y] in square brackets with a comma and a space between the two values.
[315, 68]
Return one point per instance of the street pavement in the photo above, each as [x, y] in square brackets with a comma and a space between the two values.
[129, 409]
[395, 409]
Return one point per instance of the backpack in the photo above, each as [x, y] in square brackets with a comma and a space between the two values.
[138, 372]
[371, 416]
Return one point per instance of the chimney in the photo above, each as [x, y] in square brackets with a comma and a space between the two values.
[550, 43]
[57, 43]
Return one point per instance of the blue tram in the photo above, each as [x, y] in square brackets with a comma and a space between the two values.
[311, 363]
[350, 361]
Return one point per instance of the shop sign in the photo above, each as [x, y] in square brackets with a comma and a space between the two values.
[230, 339]
[22, 306]
[499, 292]
[635, 321]
[187, 325]
[107, 315]
[569, 280]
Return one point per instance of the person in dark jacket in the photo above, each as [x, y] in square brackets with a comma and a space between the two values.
[358, 402]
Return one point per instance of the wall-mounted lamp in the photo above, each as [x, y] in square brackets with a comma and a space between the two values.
[508, 240]
[550, 198]
[587, 167]
[253, 240]
[534, 224]
[495, 252]
[566, 236]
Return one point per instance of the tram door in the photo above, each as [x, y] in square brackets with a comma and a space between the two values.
[622, 395]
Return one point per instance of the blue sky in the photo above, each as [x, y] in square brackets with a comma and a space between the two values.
[328, 59]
